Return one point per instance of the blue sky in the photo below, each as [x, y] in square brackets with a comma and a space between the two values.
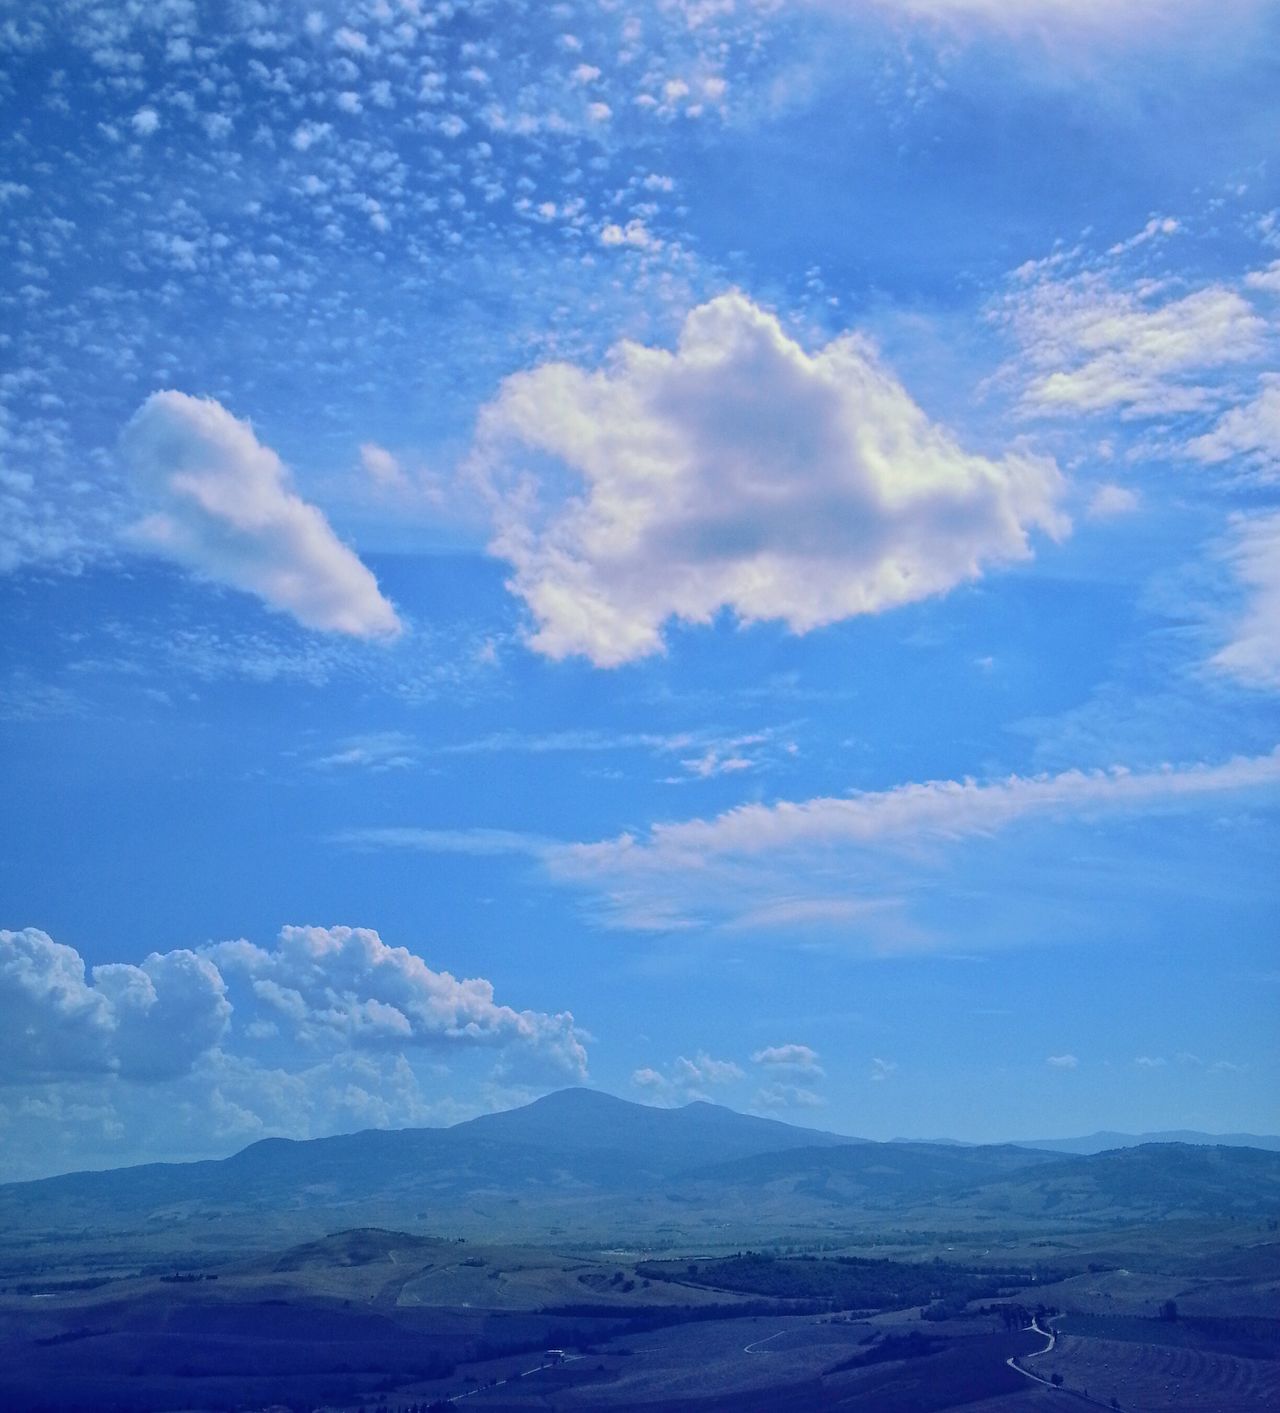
[713, 548]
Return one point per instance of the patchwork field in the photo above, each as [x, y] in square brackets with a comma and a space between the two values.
[1161, 1378]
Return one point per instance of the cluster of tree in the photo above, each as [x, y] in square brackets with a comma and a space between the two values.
[912, 1345]
[841, 1283]
[639, 1318]
[1015, 1316]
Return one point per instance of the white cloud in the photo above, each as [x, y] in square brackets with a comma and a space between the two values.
[1253, 653]
[145, 121]
[1249, 433]
[934, 809]
[227, 511]
[635, 234]
[347, 984]
[704, 1069]
[1087, 346]
[685, 1080]
[146, 1022]
[307, 134]
[800, 1059]
[382, 467]
[1109, 501]
[377, 751]
[739, 472]
[882, 1070]
[1268, 279]
[1156, 227]
[1062, 1062]
[741, 869]
[786, 1096]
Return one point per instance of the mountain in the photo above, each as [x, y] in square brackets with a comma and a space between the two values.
[585, 1165]
[1154, 1181]
[568, 1146]
[871, 1174]
[1104, 1139]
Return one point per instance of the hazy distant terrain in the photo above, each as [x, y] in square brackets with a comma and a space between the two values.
[688, 1258]
[584, 1163]
[1100, 1142]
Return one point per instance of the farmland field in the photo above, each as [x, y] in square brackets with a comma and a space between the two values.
[1160, 1378]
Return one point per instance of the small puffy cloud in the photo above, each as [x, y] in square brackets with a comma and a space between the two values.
[1062, 1062]
[739, 472]
[704, 1069]
[799, 1059]
[1149, 1062]
[145, 121]
[1249, 434]
[1110, 501]
[347, 985]
[147, 1022]
[226, 510]
[1253, 653]
[635, 234]
[687, 1079]
[382, 467]
[307, 134]
[1267, 280]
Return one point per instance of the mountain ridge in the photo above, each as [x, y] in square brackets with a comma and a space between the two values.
[580, 1160]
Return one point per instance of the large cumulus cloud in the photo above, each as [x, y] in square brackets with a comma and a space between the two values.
[224, 508]
[347, 984]
[739, 472]
[145, 1022]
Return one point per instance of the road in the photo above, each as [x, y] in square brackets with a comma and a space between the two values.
[524, 1373]
[754, 1346]
[1052, 1339]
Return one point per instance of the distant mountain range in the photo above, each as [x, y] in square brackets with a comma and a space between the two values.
[1104, 1139]
[580, 1161]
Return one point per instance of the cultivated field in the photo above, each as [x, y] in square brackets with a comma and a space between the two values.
[1160, 1378]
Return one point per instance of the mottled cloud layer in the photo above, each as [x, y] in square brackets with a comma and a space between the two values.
[738, 472]
[225, 509]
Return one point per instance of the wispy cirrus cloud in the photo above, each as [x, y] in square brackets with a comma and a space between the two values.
[863, 856]
[1093, 344]
[859, 857]
[939, 810]
[1252, 652]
